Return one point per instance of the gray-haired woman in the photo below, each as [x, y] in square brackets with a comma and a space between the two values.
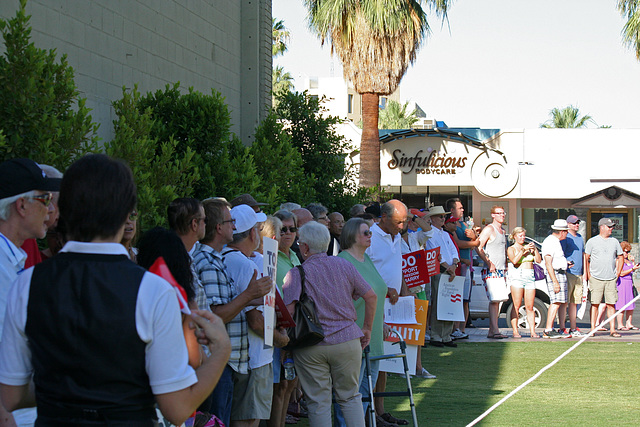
[354, 241]
[332, 283]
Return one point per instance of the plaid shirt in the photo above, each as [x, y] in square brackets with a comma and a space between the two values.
[220, 290]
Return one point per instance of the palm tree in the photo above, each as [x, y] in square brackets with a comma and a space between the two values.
[375, 40]
[281, 81]
[631, 30]
[279, 37]
[395, 116]
[568, 117]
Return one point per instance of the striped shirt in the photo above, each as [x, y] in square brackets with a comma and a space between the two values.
[220, 290]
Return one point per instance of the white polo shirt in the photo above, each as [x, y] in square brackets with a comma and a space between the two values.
[386, 254]
[12, 259]
[551, 246]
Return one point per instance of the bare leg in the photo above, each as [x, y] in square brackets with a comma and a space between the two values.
[494, 313]
[516, 296]
[380, 387]
[629, 318]
[573, 309]
[529, 298]
[611, 309]
[465, 305]
[419, 361]
[277, 403]
[551, 315]
[594, 316]
[562, 315]
[620, 319]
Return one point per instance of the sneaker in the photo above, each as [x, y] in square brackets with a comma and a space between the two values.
[425, 374]
[553, 334]
[577, 333]
[458, 335]
[564, 333]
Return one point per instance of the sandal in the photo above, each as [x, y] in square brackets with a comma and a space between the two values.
[623, 329]
[633, 328]
[615, 335]
[497, 336]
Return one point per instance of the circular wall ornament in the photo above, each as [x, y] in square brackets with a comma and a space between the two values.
[492, 176]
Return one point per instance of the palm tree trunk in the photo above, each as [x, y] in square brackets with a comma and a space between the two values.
[370, 143]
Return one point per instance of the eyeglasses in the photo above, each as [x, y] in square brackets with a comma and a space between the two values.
[627, 252]
[610, 226]
[367, 233]
[499, 213]
[232, 220]
[283, 230]
[133, 216]
[45, 199]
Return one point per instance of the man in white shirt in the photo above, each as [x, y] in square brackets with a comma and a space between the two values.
[25, 204]
[255, 400]
[386, 253]
[556, 274]
[441, 330]
[70, 318]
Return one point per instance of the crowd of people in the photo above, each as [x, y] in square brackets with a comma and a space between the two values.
[90, 337]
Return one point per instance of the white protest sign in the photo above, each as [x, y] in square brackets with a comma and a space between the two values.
[270, 262]
[396, 365]
[450, 299]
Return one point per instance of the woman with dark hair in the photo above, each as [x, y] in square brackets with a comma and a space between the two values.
[625, 288]
[160, 242]
[130, 230]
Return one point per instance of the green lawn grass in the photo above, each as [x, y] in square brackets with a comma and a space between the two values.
[598, 384]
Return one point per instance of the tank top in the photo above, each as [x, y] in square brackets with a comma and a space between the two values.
[496, 249]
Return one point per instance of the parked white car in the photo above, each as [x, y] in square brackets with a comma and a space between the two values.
[479, 304]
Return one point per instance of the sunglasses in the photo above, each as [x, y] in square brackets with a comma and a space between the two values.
[45, 199]
[367, 233]
[233, 221]
[283, 230]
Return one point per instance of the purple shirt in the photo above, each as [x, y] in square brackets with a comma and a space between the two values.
[332, 283]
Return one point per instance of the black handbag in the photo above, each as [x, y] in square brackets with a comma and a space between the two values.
[634, 290]
[307, 331]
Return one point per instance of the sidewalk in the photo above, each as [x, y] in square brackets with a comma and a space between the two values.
[480, 335]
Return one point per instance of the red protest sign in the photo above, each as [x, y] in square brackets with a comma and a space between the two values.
[283, 318]
[432, 257]
[414, 269]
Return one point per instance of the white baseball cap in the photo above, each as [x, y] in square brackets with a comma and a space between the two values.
[246, 218]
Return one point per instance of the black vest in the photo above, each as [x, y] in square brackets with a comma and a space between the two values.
[88, 360]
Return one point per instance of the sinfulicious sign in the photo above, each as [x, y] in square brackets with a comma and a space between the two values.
[427, 161]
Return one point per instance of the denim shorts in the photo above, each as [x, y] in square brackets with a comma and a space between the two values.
[522, 278]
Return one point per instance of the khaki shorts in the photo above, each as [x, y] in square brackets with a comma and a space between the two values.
[575, 288]
[603, 289]
[252, 394]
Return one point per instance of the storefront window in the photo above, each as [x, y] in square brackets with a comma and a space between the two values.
[538, 222]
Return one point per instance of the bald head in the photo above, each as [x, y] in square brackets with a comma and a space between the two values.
[303, 215]
[393, 216]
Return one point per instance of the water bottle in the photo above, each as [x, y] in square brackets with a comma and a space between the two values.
[289, 370]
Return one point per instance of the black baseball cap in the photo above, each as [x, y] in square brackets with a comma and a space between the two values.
[19, 176]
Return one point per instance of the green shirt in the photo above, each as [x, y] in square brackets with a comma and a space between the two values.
[285, 263]
[368, 271]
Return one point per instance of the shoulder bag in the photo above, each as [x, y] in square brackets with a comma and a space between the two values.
[307, 331]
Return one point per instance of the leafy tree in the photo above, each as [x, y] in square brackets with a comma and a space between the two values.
[41, 115]
[567, 117]
[280, 36]
[630, 9]
[280, 166]
[202, 123]
[160, 172]
[376, 40]
[323, 150]
[395, 116]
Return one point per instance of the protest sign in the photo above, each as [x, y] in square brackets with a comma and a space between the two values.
[414, 269]
[432, 257]
[270, 262]
[450, 299]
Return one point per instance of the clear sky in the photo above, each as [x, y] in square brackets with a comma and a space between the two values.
[503, 63]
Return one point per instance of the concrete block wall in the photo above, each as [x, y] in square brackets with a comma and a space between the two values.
[206, 44]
